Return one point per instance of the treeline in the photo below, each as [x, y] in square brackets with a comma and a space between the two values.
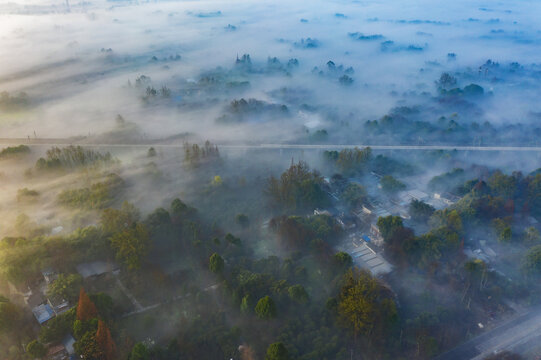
[13, 151]
[196, 155]
[97, 196]
[298, 188]
[71, 157]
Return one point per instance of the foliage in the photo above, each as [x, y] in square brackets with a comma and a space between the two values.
[388, 224]
[448, 181]
[131, 245]
[364, 305]
[97, 196]
[196, 155]
[420, 211]
[298, 294]
[10, 315]
[139, 352]
[298, 188]
[277, 351]
[72, 157]
[86, 310]
[13, 151]
[354, 195]
[343, 260]
[66, 286]
[57, 328]
[532, 261]
[265, 308]
[113, 220]
[105, 342]
[26, 194]
[298, 231]
[216, 263]
[349, 161]
[87, 346]
[36, 349]
[390, 185]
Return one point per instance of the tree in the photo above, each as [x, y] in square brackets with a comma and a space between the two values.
[343, 260]
[265, 308]
[57, 328]
[86, 310]
[390, 185]
[298, 294]
[420, 211]
[105, 341]
[113, 220]
[388, 224]
[151, 152]
[532, 261]
[10, 315]
[36, 349]
[298, 188]
[354, 195]
[66, 286]
[365, 306]
[87, 347]
[277, 351]
[216, 263]
[131, 246]
[139, 352]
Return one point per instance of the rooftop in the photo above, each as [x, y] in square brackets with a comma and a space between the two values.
[43, 313]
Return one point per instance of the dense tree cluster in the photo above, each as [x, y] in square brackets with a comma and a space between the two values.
[72, 157]
[14, 151]
[298, 188]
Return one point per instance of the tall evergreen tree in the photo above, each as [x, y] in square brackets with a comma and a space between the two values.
[105, 341]
[86, 309]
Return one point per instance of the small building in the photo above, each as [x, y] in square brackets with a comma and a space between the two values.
[57, 352]
[376, 238]
[365, 257]
[58, 304]
[43, 313]
[447, 198]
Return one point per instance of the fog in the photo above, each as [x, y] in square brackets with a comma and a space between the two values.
[277, 180]
[75, 64]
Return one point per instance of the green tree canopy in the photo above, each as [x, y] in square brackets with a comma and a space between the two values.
[66, 286]
[216, 263]
[388, 224]
[36, 349]
[364, 305]
[131, 245]
[265, 308]
[277, 351]
[298, 294]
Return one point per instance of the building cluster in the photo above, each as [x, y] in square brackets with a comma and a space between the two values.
[45, 306]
